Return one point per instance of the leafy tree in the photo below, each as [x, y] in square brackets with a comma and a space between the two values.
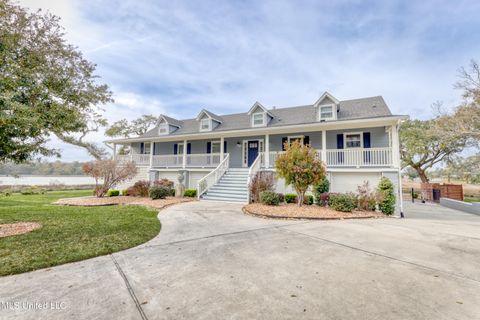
[300, 167]
[46, 87]
[135, 127]
[108, 173]
[425, 143]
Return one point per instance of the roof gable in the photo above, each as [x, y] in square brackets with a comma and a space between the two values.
[210, 115]
[257, 105]
[326, 97]
[170, 121]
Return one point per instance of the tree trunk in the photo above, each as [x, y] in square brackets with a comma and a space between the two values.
[300, 197]
[422, 174]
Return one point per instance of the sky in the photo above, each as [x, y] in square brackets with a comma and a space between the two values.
[177, 57]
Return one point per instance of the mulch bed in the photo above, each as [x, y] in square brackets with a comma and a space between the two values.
[13, 229]
[292, 211]
[110, 201]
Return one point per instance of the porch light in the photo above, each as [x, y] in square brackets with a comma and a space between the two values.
[239, 144]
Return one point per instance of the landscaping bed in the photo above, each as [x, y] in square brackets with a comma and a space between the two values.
[108, 201]
[12, 229]
[292, 211]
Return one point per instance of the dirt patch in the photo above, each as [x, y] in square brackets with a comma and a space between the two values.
[13, 229]
[292, 211]
[109, 201]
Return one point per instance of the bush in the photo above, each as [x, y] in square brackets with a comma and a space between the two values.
[125, 192]
[344, 202]
[191, 193]
[281, 197]
[308, 199]
[163, 183]
[159, 192]
[140, 188]
[367, 199]
[324, 199]
[7, 192]
[262, 181]
[322, 187]
[269, 198]
[386, 192]
[113, 193]
[290, 198]
[415, 195]
[32, 190]
[131, 191]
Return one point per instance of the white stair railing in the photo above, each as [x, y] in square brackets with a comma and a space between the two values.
[212, 178]
[254, 168]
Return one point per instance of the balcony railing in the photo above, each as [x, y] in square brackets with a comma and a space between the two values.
[139, 159]
[202, 160]
[362, 157]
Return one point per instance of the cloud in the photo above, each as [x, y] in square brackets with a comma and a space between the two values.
[177, 57]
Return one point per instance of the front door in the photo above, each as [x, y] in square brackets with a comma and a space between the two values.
[252, 151]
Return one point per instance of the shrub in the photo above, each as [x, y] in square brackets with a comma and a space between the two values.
[281, 197]
[367, 198]
[308, 200]
[386, 193]
[415, 195]
[168, 184]
[125, 192]
[32, 190]
[191, 193]
[110, 172]
[7, 192]
[159, 192]
[262, 181]
[140, 188]
[344, 202]
[269, 198]
[324, 199]
[113, 193]
[290, 198]
[322, 187]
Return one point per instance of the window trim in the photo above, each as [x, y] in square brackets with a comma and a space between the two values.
[165, 126]
[263, 119]
[331, 105]
[261, 148]
[219, 146]
[345, 134]
[301, 137]
[209, 124]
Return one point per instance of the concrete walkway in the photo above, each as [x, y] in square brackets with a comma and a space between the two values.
[212, 262]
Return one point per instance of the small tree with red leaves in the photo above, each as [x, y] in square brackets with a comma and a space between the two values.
[300, 167]
[108, 173]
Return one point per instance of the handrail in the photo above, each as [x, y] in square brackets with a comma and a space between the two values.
[217, 173]
[254, 168]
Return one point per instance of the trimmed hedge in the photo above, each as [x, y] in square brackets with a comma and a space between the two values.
[386, 192]
[344, 202]
[322, 187]
[158, 193]
[291, 198]
[308, 199]
[191, 193]
[269, 198]
[113, 193]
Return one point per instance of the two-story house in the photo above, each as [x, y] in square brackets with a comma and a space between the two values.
[218, 154]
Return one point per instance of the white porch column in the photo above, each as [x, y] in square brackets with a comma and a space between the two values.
[222, 145]
[114, 151]
[151, 153]
[267, 151]
[131, 152]
[184, 162]
[395, 146]
[324, 146]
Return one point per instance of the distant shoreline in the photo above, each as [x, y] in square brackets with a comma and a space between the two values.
[41, 175]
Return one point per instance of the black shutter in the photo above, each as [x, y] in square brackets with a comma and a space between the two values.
[284, 140]
[154, 148]
[224, 146]
[340, 141]
[366, 144]
[189, 148]
[175, 148]
[306, 140]
[142, 147]
[209, 147]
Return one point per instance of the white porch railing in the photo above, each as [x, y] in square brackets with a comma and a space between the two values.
[168, 161]
[204, 159]
[139, 159]
[362, 157]
[254, 168]
[210, 179]
[272, 157]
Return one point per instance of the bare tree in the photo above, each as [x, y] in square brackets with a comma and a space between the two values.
[108, 173]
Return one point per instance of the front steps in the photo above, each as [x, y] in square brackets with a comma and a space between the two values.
[232, 187]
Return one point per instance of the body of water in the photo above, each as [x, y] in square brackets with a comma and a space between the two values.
[46, 180]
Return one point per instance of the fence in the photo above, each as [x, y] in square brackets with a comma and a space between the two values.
[435, 191]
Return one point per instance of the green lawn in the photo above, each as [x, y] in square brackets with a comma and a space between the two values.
[69, 233]
[472, 199]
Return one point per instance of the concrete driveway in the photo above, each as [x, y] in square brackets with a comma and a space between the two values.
[212, 262]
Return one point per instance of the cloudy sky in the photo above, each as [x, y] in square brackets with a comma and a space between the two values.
[176, 57]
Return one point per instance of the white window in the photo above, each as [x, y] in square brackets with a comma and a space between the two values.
[353, 140]
[146, 148]
[163, 128]
[293, 138]
[205, 124]
[215, 147]
[327, 112]
[258, 119]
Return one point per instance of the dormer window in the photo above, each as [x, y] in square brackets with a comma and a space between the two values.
[326, 112]
[258, 119]
[163, 128]
[205, 124]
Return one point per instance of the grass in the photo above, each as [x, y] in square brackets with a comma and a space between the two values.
[69, 233]
[471, 199]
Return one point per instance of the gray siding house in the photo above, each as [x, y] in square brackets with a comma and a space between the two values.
[218, 154]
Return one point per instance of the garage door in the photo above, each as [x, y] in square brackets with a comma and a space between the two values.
[347, 181]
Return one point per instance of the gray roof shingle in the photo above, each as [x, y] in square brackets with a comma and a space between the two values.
[363, 108]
